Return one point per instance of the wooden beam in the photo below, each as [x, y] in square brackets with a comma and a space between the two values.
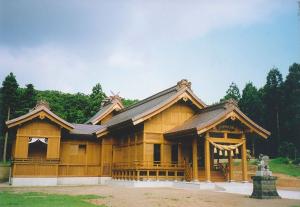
[195, 158]
[227, 140]
[230, 168]
[244, 161]
[207, 159]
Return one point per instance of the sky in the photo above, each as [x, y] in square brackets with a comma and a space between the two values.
[137, 48]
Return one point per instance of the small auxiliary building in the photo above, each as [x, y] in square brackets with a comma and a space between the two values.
[171, 135]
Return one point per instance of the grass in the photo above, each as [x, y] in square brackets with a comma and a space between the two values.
[280, 165]
[32, 199]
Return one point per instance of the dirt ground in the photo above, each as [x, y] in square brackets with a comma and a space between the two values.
[153, 197]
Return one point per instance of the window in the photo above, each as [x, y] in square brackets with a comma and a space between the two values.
[174, 153]
[156, 153]
[82, 148]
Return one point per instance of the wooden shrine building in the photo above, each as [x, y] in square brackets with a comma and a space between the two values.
[171, 135]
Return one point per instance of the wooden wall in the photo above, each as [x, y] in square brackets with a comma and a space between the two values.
[80, 152]
[128, 147]
[162, 122]
[37, 128]
[106, 118]
[80, 157]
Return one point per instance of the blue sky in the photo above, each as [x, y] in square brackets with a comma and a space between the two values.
[138, 48]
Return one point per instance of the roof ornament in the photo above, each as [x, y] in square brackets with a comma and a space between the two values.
[41, 103]
[184, 83]
[110, 99]
[232, 101]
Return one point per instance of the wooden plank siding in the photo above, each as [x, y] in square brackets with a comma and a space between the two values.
[133, 152]
[155, 127]
[65, 157]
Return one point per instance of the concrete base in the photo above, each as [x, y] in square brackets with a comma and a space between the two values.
[103, 180]
[77, 180]
[158, 184]
[54, 181]
[140, 184]
[34, 181]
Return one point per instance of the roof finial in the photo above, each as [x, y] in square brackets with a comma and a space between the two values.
[232, 101]
[184, 83]
[110, 99]
[41, 103]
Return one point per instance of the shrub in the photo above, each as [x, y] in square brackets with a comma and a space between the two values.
[296, 161]
[281, 160]
[287, 149]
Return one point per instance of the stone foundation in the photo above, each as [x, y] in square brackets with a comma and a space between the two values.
[54, 181]
[264, 187]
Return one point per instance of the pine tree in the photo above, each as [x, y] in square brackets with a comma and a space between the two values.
[251, 105]
[96, 97]
[272, 99]
[291, 110]
[9, 102]
[28, 99]
[232, 93]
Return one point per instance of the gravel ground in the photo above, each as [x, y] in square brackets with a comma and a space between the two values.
[152, 197]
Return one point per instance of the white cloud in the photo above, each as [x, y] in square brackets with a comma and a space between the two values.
[120, 45]
[125, 60]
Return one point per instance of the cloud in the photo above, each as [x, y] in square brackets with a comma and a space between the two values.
[71, 45]
[124, 60]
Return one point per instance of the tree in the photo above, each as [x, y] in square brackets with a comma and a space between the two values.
[9, 101]
[291, 110]
[251, 104]
[272, 99]
[28, 99]
[96, 97]
[129, 102]
[232, 93]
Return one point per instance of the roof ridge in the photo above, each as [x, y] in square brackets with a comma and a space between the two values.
[224, 104]
[157, 95]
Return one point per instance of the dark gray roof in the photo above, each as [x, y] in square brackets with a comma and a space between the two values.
[34, 112]
[102, 110]
[205, 117]
[142, 106]
[86, 129]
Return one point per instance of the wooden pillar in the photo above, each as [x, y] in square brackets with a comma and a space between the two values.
[195, 159]
[244, 160]
[180, 159]
[207, 159]
[230, 168]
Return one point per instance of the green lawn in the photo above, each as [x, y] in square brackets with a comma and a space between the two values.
[279, 165]
[44, 200]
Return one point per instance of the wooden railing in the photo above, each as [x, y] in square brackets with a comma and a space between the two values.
[147, 170]
[52, 168]
[146, 164]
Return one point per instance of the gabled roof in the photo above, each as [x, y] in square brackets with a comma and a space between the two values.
[213, 115]
[113, 103]
[85, 129]
[153, 105]
[41, 111]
